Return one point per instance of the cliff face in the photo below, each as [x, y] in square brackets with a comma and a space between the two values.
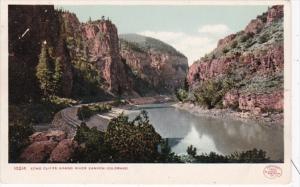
[154, 62]
[253, 59]
[102, 42]
[92, 62]
[28, 26]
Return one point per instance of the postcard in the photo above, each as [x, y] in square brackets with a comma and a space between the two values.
[146, 92]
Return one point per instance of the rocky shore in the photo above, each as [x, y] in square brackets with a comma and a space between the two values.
[264, 118]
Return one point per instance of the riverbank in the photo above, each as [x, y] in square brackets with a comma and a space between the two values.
[67, 118]
[265, 118]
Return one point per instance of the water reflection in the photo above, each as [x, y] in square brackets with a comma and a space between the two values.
[208, 134]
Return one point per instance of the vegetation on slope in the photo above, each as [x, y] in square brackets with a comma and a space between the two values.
[240, 76]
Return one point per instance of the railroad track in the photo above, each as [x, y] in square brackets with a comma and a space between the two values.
[74, 123]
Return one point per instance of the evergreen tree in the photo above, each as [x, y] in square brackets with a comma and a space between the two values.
[44, 71]
[58, 74]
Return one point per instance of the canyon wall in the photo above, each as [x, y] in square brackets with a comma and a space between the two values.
[159, 65]
[253, 59]
[90, 55]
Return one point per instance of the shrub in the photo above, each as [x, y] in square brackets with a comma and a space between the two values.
[92, 147]
[250, 156]
[181, 94]
[192, 151]
[133, 141]
[249, 43]
[263, 38]
[211, 92]
[87, 111]
[124, 141]
[18, 138]
[166, 155]
[245, 37]
[225, 50]
[234, 44]
[119, 102]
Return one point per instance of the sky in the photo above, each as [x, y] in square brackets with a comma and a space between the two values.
[192, 30]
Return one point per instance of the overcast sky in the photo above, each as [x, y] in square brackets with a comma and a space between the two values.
[192, 30]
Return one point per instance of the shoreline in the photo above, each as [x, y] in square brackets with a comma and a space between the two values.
[269, 119]
[263, 119]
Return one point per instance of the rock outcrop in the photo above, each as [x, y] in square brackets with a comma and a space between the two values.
[256, 103]
[253, 59]
[274, 13]
[49, 146]
[63, 152]
[103, 50]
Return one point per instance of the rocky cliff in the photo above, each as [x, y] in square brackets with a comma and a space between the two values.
[28, 26]
[159, 65]
[102, 41]
[94, 63]
[249, 63]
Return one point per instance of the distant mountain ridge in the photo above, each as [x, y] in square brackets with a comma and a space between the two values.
[149, 43]
[158, 64]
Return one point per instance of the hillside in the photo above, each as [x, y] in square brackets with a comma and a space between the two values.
[245, 71]
[160, 66]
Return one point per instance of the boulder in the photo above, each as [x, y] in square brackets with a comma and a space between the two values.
[38, 151]
[55, 135]
[63, 151]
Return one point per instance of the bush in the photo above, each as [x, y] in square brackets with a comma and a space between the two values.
[249, 43]
[263, 38]
[87, 111]
[191, 150]
[92, 147]
[124, 141]
[234, 44]
[245, 37]
[119, 102]
[166, 155]
[181, 94]
[211, 92]
[137, 141]
[250, 156]
[133, 141]
[225, 50]
[18, 139]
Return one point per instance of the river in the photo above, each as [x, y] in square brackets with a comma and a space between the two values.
[223, 136]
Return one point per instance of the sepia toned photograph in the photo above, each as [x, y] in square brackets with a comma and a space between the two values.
[146, 84]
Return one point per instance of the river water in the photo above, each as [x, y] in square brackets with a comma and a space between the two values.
[223, 136]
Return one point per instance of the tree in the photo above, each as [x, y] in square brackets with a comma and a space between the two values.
[57, 77]
[191, 150]
[186, 85]
[45, 70]
[133, 141]
[211, 92]
[181, 94]
[92, 147]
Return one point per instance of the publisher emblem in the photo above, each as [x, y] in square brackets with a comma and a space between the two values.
[272, 172]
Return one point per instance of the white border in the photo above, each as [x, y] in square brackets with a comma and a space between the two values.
[149, 173]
